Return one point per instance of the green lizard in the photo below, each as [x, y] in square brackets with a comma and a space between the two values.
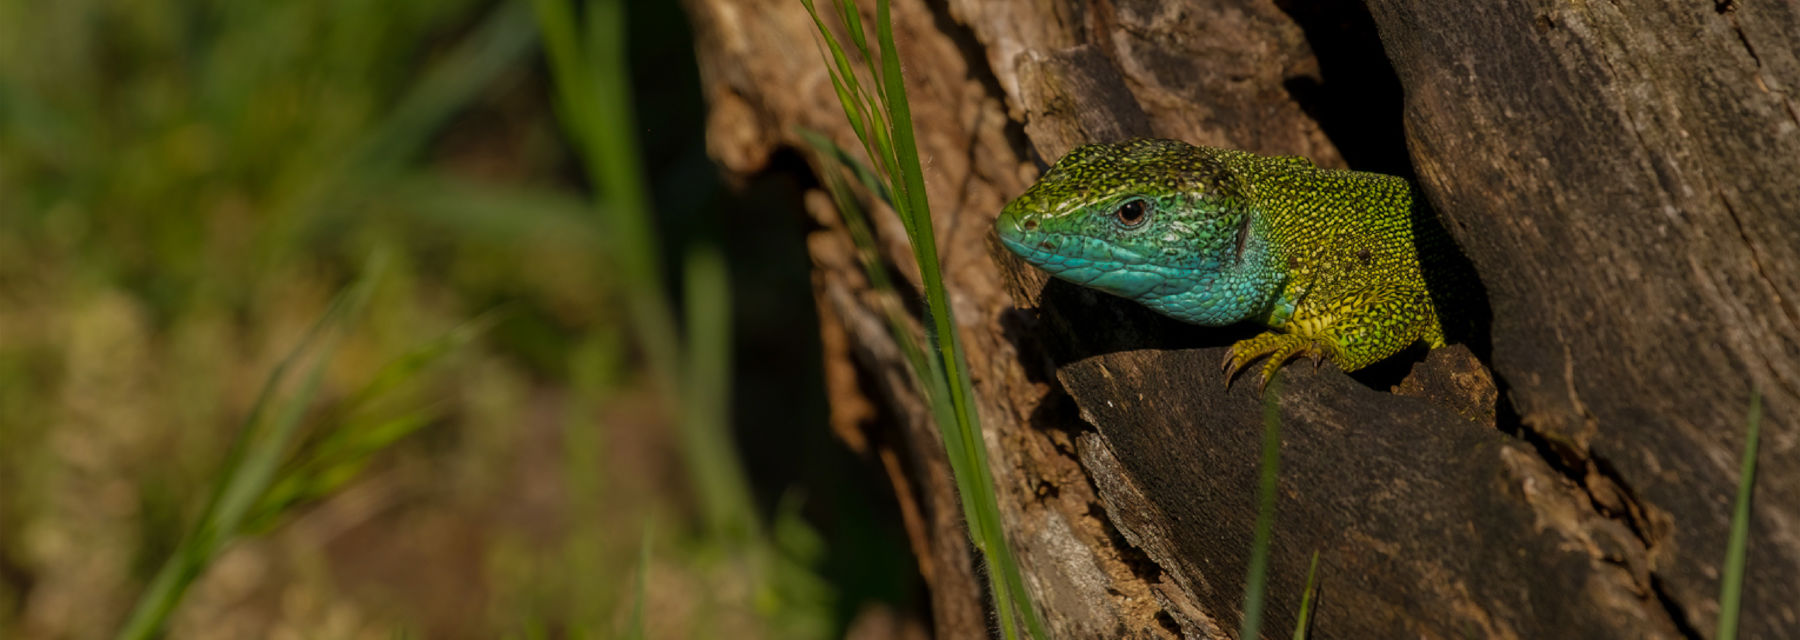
[1330, 259]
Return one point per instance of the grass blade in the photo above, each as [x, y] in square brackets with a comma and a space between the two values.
[833, 157]
[858, 108]
[414, 362]
[690, 361]
[330, 466]
[634, 625]
[250, 466]
[593, 90]
[1302, 625]
[915, 207]
[320, 466]
[705, 416]
[946, 384]
[1256, 583]
[1731, 583]
[592, 81]
[443, 91]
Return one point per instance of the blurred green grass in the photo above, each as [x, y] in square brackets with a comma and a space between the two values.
[184, 186]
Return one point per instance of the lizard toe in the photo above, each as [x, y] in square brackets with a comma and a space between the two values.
[1279, 357]
[1278, 347]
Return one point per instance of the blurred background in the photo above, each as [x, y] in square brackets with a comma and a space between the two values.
[389, 319]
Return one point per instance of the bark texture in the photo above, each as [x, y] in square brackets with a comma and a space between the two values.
[1624, 181]
[1627, 179]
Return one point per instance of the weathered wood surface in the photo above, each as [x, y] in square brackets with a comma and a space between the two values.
[1126, 470]
[1627, 179]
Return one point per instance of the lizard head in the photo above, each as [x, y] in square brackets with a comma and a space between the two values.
[1156, 221]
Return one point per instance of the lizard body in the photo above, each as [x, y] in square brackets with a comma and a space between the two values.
[1329, 259]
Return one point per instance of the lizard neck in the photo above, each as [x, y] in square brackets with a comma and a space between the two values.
[1334, 232]
[1241, 281]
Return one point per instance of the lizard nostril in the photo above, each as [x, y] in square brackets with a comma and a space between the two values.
[1030, 225]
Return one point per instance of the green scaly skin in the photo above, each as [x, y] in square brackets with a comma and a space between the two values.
[1329, 259]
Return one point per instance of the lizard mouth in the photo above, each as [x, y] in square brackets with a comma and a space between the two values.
[1071, 256]
[1051, 250]
[1024, 247]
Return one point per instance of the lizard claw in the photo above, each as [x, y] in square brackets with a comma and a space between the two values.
[1277, 358]
[1240, 355]
[1279, 348]
[1263, 386]
[1234, 362]
[1275, 346]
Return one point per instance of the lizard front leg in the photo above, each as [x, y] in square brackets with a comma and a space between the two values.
[1352, 331]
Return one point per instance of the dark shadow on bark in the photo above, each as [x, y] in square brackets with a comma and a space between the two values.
[1455, 287]
[1357, 99]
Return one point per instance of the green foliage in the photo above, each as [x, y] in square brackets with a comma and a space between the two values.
[592, 85]
[325, 464]
[1731, 583]
[839, 161]
[186, 186]
[264, 477]
[178, 177]
[1255, 584]
[1302, 625]
[692, 368]
[882, 121]
[634, 625]
[250, 468]
[223, 105]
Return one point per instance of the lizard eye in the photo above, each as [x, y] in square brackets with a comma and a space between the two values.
[1132, 214]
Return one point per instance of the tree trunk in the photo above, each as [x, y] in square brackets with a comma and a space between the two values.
[1626, 183]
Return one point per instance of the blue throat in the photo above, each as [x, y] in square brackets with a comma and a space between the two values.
[1229, 285]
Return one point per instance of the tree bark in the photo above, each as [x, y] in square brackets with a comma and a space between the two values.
[1628, 182]
[1625, 183]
